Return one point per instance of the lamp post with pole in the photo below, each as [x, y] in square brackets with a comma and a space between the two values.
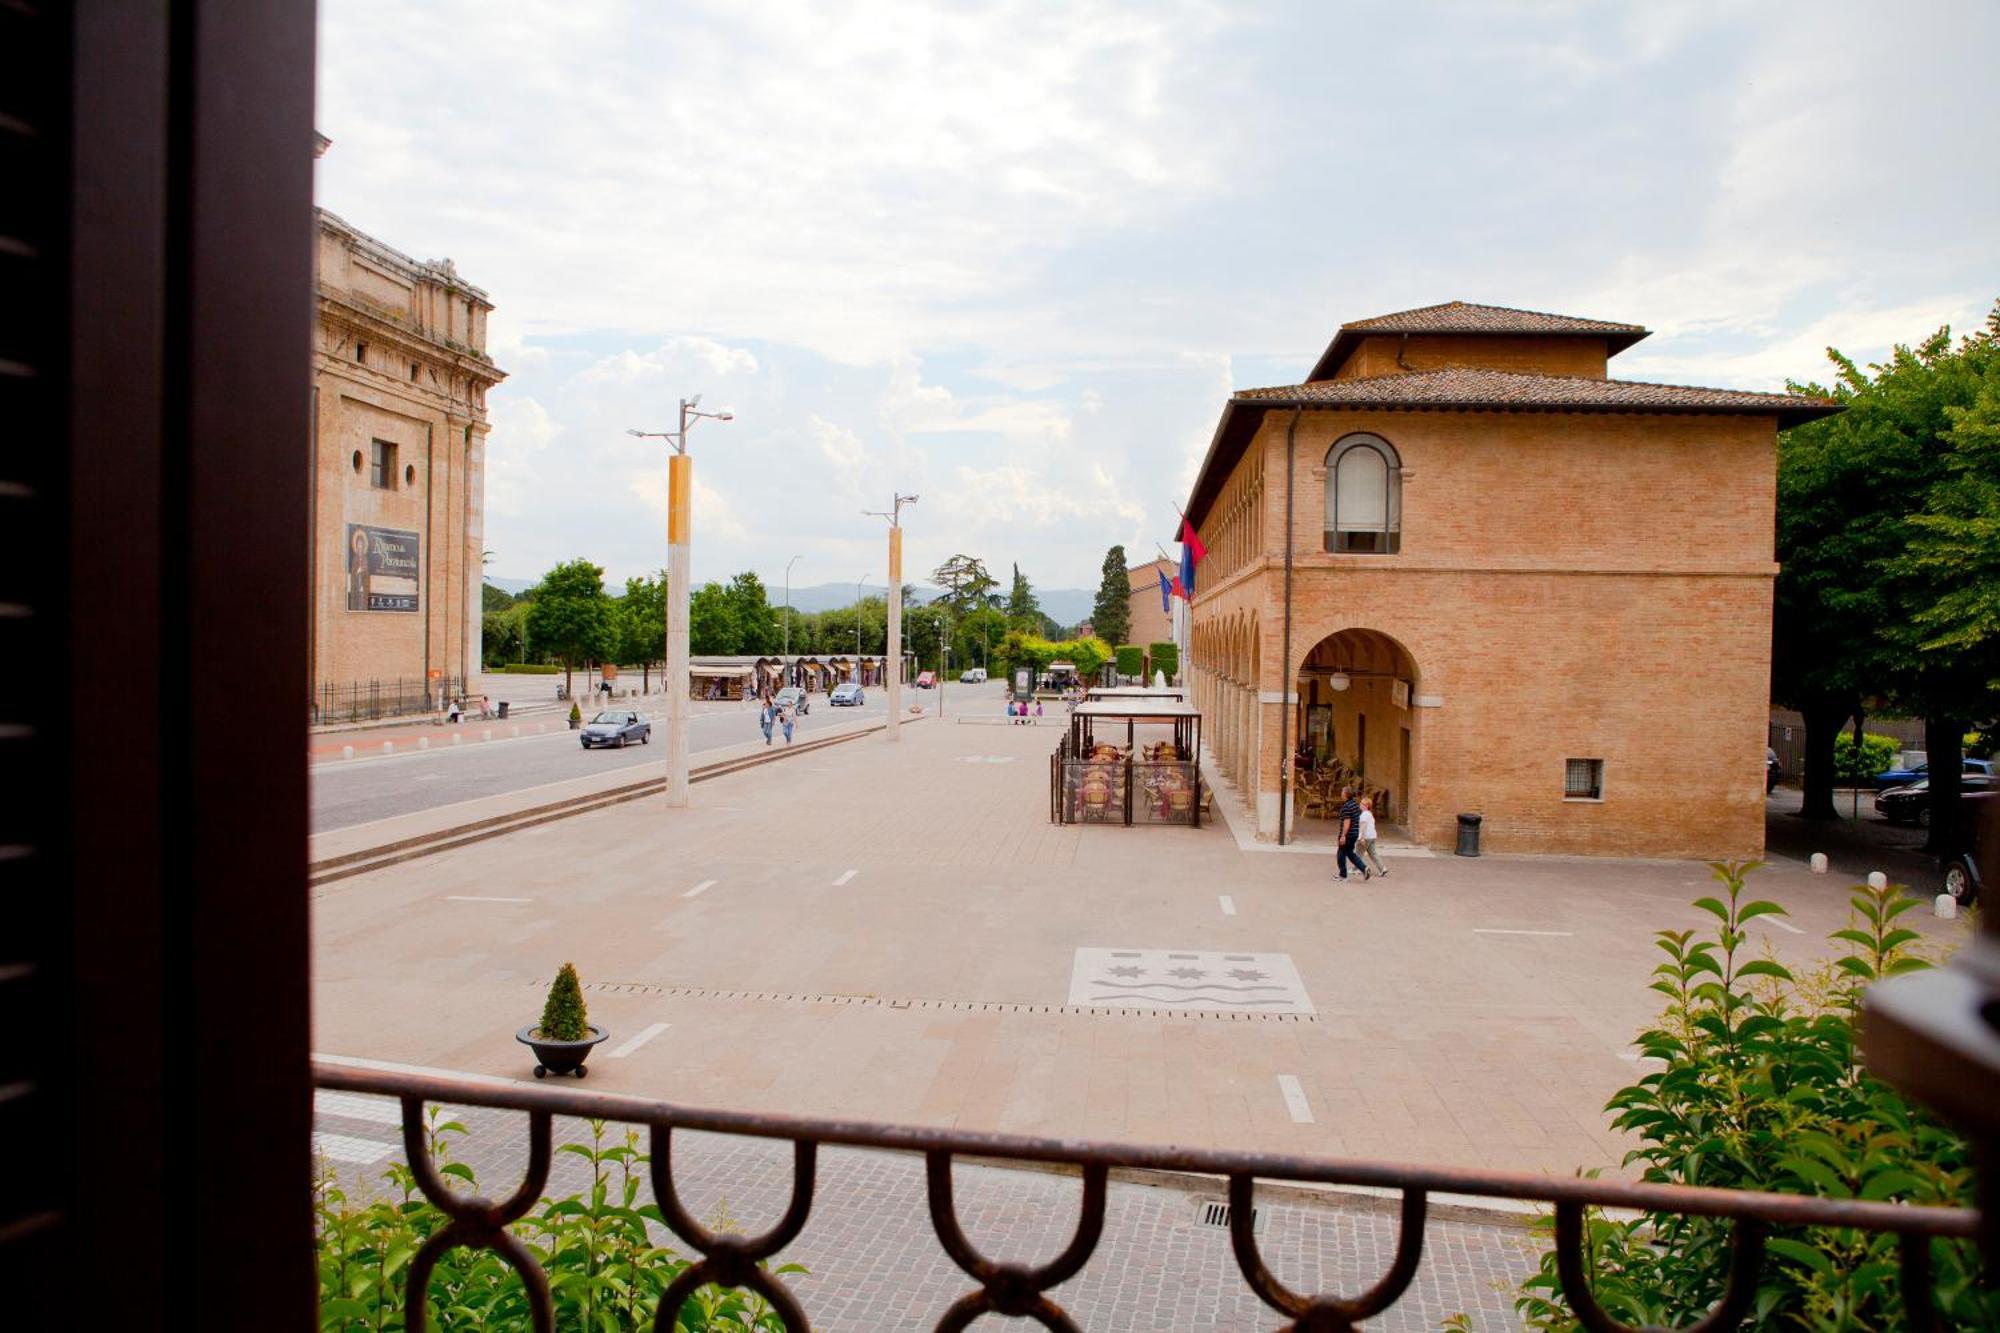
[894, 515]
[788, 602]
[680, 486]
[858, 585]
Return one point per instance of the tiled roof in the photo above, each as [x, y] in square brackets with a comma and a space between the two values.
[1462, 317]
[1469, 389]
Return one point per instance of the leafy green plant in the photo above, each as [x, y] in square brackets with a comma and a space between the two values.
[563, 1015]
[1760, 1087]
[596, 1247]
[575, 714]
[1878, 754]
[1130, 658]
[1166, 658]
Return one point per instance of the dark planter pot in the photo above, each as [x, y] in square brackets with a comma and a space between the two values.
[560, 1057]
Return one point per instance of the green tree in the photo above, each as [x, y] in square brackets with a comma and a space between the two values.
[570, 617]
[493, 599]
[975, 635]
[642, 624]
[1871, 587]
[1111, 614]
[967, 586]
[503, 635]
[757, 624]
[713, 630]
[1021, 603]
[564, 1017]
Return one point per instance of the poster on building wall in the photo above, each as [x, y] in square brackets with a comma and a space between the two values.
[382, 569]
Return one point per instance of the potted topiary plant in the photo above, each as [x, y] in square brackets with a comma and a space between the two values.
[575, 715]
[562, 1040]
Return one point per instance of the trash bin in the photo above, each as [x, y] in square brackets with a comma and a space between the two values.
[1468, 835]
[503, 710]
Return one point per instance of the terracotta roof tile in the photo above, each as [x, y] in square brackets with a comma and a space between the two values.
[1463, 317]
[1473, 389]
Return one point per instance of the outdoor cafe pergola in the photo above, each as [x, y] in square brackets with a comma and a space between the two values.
[1128, 760]
[1172, 693]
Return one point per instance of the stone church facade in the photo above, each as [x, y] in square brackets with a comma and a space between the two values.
[400, 377]
[1463, 568]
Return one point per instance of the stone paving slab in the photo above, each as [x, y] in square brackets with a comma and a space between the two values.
[876, 1266]
[888, 930]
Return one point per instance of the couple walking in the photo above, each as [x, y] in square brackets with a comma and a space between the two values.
[1357, 826]
[774, 714]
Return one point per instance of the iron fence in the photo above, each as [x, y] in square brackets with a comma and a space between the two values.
[1024, 1291]
[366, 700]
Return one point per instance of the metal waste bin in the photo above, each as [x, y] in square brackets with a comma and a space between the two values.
[1468, 835]
[503, 710]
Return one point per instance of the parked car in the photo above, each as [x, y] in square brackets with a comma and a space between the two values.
[972, 676]
[1964, 873]
[846, 694]
[926, 680]
[1911, 802]
[617, 727]
[794, 698]
[1917, 772]
[1771, 770]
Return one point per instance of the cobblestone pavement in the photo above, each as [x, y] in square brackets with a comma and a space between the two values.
[876, 1266]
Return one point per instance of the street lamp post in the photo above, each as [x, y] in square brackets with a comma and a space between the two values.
[858, 584]
[895, 517]
[680, 486]
[788, 602]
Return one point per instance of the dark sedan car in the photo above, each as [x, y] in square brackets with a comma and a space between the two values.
[1911, 802]
[1966, 864]
[616, 727]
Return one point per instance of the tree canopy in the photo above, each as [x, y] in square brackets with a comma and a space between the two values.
[570, 617]
[967, 586]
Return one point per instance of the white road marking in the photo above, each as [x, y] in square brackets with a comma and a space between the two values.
[391, 1067]
[347, 1148]
[1295, 1099]
[355, 1106]
[639, 1039]
[844, 878]
[699, 889]
[1228, 905]
[468, 898]
[1780, 923]
[1494, 930]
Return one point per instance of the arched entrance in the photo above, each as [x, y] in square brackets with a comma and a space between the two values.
[1356, 726]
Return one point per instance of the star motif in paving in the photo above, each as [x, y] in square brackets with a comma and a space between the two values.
[1246, 974]
[1127, 971]
[1187, 973]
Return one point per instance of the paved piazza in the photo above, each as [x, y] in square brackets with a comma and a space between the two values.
[895, 931]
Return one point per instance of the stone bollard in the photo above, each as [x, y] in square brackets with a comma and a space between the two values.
[1877, 880]
[423, 742]
[1819, 863]
[347, 752]
[486, 735]
[1946, 907]
[541, 726]
[457, 736]
[388, 747]
[516, 731]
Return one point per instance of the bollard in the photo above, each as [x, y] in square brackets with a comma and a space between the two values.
[486, 735]
[388, 747]
[541, 726]
[1819, 863]
[1877, 880]
[423, 742]
[347, 752]
[1468, 835]
[457, 736]
[515, 730]
[1946, 907]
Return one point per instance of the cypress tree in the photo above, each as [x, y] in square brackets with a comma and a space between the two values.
[1111, 615]
[563, 1016]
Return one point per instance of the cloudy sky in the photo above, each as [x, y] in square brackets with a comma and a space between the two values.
[1012, 257]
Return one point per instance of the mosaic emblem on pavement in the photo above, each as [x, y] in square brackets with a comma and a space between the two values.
[1255, 983]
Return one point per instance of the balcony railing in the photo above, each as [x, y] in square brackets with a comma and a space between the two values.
[1026, 1292]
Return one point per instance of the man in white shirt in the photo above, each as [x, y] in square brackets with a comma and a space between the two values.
[1367, 839]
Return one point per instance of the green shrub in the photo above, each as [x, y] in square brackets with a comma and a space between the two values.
[1760, 1086]
[1877, 754]
[575, 714]
[563, 1015]
[1131, 659]
[597, 1247]
[1166, 658]
[527, 669]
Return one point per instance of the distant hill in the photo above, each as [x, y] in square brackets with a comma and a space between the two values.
[1065, 606]
[515, 586]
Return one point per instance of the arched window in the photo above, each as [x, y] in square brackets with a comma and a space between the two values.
[1364, 496]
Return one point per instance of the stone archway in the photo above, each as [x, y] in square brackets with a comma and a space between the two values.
[1359, 725]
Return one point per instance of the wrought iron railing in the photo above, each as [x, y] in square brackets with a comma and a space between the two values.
[1024, 1291]
[367, 700]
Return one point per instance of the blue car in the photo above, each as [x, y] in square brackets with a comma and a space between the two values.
[1901, 777]
[616, 727]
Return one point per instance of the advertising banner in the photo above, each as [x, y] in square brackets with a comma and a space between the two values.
[382, 569]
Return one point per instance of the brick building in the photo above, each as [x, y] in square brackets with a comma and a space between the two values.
[1463, 563]
[1149, 624]
[400, 375]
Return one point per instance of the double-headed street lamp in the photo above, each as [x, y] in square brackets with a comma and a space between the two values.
[680, 485]
[788, 603]
[858, 584]
[894, 514]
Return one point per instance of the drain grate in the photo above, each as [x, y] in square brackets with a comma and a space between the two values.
[1216, 1212]
[947, 1006]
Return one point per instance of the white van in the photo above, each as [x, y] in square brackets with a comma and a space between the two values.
[973, 676]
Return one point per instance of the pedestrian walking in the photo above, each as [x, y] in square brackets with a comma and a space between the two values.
[1368, 835]
[1350, 832]
[765, 720]
[785, 720]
